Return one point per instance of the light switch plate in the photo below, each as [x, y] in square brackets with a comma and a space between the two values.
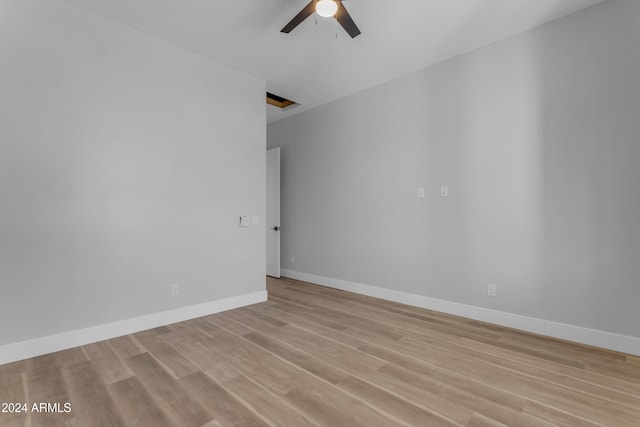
[244, 221]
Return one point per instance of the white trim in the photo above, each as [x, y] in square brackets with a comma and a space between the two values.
[593, 337]
[52, 343]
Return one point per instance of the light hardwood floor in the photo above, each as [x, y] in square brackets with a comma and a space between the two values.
[317, 357]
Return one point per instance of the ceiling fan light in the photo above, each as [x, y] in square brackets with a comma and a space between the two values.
[326, 8]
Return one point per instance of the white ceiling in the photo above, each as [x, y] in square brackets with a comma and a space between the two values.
[310, 65]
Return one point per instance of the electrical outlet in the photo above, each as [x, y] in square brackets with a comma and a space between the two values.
[420, 192]
[492, 291]
[175, 289]
[293, 259]
[444, 191]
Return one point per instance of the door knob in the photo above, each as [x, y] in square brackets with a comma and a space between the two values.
[276, 228]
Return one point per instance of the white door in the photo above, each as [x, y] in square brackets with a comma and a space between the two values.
[273, 212]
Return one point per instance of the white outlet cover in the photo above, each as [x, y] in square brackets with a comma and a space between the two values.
[256, 220]
[420, 192]
[491, 290]
[444, 191]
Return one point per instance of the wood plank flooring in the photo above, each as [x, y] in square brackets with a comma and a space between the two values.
[318, 357]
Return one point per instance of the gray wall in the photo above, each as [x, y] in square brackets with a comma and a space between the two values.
[537, 138]
[125, 163]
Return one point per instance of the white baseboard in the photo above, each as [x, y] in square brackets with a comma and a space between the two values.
[52, 343]
[593, 337]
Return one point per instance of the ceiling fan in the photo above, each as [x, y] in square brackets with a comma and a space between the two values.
[325, 8]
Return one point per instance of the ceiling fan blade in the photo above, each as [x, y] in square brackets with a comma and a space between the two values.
[343, 17]
[304, 14]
